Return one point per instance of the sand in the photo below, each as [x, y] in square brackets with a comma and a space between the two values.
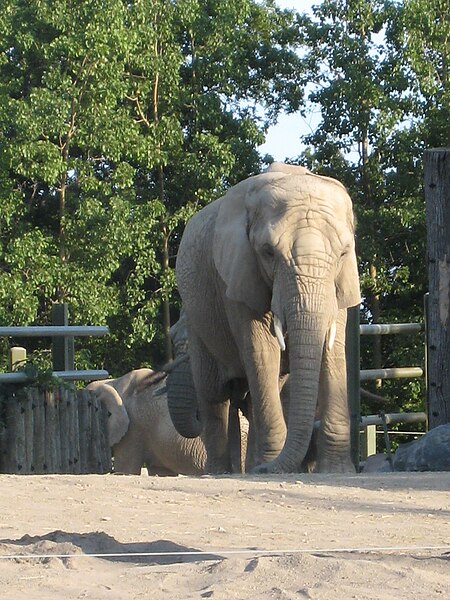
[371, 536]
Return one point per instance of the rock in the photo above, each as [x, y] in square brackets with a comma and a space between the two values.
[377, 463]
[431, 452]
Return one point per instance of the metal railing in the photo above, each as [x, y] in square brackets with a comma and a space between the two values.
[62, 348]
[367, 424]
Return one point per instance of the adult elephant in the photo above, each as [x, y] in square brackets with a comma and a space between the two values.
[274, 257]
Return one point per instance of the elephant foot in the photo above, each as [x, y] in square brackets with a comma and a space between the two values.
[217, 468]
[268, 468]
[335, 466]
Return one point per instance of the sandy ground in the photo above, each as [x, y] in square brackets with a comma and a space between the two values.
[373, 536]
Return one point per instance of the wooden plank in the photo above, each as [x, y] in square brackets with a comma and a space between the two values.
[65, 440]
[50, 463]
[38, 432]
[83, 417]
[28, 416]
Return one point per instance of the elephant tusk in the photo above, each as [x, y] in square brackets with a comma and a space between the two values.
[331, 335]
[279, 332]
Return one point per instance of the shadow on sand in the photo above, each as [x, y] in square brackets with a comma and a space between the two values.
[63, 544]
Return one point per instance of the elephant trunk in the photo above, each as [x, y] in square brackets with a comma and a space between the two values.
[307, 320]
[182, 400]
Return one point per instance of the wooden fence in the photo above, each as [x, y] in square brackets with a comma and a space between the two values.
[63, 430]
[57, 431]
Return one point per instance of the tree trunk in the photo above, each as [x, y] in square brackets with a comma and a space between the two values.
[165, 233]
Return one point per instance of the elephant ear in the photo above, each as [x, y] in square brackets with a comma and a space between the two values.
[234, 257]
[118, 421]
[347, 281]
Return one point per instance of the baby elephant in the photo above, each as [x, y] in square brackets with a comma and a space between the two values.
[140, 428]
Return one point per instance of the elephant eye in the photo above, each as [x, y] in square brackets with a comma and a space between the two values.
[268, 251]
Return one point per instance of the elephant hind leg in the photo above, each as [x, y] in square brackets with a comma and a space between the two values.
[128, 458]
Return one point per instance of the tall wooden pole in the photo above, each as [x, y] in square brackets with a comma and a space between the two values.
[437, 198]
[62, 347]
[352, 347]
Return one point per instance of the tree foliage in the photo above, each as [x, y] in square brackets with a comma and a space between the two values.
[118, 120]
[380, 76]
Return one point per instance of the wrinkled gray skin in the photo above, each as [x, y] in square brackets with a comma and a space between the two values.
[184, 411]
[181, 396]
[273, 258]
[431, 452]
[140, 428]
[183, 406]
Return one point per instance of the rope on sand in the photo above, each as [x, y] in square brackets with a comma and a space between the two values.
[444, 549]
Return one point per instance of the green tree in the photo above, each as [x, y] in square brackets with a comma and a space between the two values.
[72, 217]
[199, 75]
[113, 132]
[368, 138]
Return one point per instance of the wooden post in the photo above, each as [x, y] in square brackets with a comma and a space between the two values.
[83, 417]
[16, 437]
[75, 433]
[38, 431]
[62, 347]
[50, 433]
[369, 441]
[353, 381]
[17, 358]
[28, 415]
[437, 198]
[64, 428]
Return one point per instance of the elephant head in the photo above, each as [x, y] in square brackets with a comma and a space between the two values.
[284, 242]
[118, 421]
[111, 393]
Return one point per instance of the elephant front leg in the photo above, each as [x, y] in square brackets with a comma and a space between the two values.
[333, 442]
[262, 365]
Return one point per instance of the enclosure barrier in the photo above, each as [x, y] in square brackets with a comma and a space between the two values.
[369, 429]
[61, 430]
[65, 333]
[366, 426]
[57, 431]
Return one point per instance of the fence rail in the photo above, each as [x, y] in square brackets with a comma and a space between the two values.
[392, 373]
[390, 328]
[392, 418]
[53, 331]
[82, 375]
[367, 424]
[63, 336]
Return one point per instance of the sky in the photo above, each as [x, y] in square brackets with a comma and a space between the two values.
[283, 139]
